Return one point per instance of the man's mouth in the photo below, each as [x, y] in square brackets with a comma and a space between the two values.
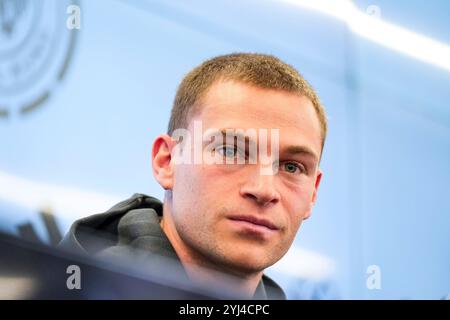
[254, 221]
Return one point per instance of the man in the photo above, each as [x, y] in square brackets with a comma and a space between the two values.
[236, 214]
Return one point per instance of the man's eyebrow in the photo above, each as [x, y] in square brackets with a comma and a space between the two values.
[294, 150]
[238, 134]
[290, 150]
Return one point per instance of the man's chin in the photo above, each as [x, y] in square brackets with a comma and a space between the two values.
[245, 264]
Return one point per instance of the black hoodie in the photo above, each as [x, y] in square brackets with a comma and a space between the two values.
[135, 224]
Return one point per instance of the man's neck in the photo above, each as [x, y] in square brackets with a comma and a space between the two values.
[210, 276]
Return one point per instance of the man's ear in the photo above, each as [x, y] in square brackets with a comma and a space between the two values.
[314, 194]
[162, 161]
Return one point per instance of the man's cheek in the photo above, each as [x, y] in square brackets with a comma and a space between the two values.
[295, 222]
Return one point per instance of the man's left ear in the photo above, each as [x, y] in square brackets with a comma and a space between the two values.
[314, 194]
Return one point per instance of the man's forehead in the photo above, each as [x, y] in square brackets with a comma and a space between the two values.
[227, 100]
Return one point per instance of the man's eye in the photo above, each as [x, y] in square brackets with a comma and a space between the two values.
[293, 167]
[227, 151]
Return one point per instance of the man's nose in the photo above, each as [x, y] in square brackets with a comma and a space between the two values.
[260, 188]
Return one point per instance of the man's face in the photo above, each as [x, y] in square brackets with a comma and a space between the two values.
[231, 214]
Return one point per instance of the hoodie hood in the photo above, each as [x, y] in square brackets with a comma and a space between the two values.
[133, 222]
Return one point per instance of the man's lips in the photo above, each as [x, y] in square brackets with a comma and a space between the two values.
[256, 221]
